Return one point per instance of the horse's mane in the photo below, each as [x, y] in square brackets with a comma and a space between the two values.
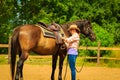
[77, 22]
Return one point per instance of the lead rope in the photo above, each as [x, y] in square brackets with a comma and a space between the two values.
[66, 69]
[78, 71]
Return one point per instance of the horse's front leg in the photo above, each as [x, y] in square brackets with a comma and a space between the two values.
[62, 57]
[54, 61]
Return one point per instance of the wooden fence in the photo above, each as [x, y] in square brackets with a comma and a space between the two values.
[98, 48]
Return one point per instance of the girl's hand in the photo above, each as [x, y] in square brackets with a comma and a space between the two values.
[64, 39]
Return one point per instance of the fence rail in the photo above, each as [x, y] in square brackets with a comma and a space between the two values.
[98, 48]
[4, 45]
[81, 47]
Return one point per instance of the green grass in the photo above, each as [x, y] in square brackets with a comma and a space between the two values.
[3, 59]
[79, 62]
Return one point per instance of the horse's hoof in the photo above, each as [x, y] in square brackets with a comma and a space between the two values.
[52, 78]
[16, 78]
[21, 78]
[59, 78]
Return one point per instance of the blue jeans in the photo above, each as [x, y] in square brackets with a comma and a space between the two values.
[72, 62]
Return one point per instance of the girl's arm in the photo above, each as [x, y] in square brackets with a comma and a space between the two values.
[73, 38]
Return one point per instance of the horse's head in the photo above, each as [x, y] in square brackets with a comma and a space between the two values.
[86, 29]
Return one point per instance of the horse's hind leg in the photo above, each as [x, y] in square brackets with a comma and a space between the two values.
[21, 68]
[20, 63]
[21, 72]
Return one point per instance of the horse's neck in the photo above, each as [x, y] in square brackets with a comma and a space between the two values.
[65, 29]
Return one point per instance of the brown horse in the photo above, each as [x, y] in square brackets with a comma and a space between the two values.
[28, 38]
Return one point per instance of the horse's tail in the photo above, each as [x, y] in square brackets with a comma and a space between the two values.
[14, 50]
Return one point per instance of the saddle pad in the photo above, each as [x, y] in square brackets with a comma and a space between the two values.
[47, 33]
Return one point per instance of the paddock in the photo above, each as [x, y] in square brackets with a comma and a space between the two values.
[43, 72]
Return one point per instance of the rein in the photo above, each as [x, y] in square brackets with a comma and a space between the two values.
[78, 71]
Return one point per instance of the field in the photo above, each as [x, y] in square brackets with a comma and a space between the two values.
[42, 71]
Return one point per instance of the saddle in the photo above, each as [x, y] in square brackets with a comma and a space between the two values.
[53, 31]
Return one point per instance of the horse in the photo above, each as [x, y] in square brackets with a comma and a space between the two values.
[27, 38]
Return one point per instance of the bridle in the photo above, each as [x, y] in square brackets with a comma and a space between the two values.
[88, 32]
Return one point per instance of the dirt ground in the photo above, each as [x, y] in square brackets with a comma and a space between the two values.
[38, 72]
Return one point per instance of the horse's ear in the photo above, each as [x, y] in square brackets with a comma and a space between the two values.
[87, 22]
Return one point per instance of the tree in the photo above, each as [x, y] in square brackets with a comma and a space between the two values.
[104, 13]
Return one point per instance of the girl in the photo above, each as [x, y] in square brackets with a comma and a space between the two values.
[72, 43]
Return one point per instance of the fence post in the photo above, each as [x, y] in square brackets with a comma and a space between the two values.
[98, 54]
[9, 50]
